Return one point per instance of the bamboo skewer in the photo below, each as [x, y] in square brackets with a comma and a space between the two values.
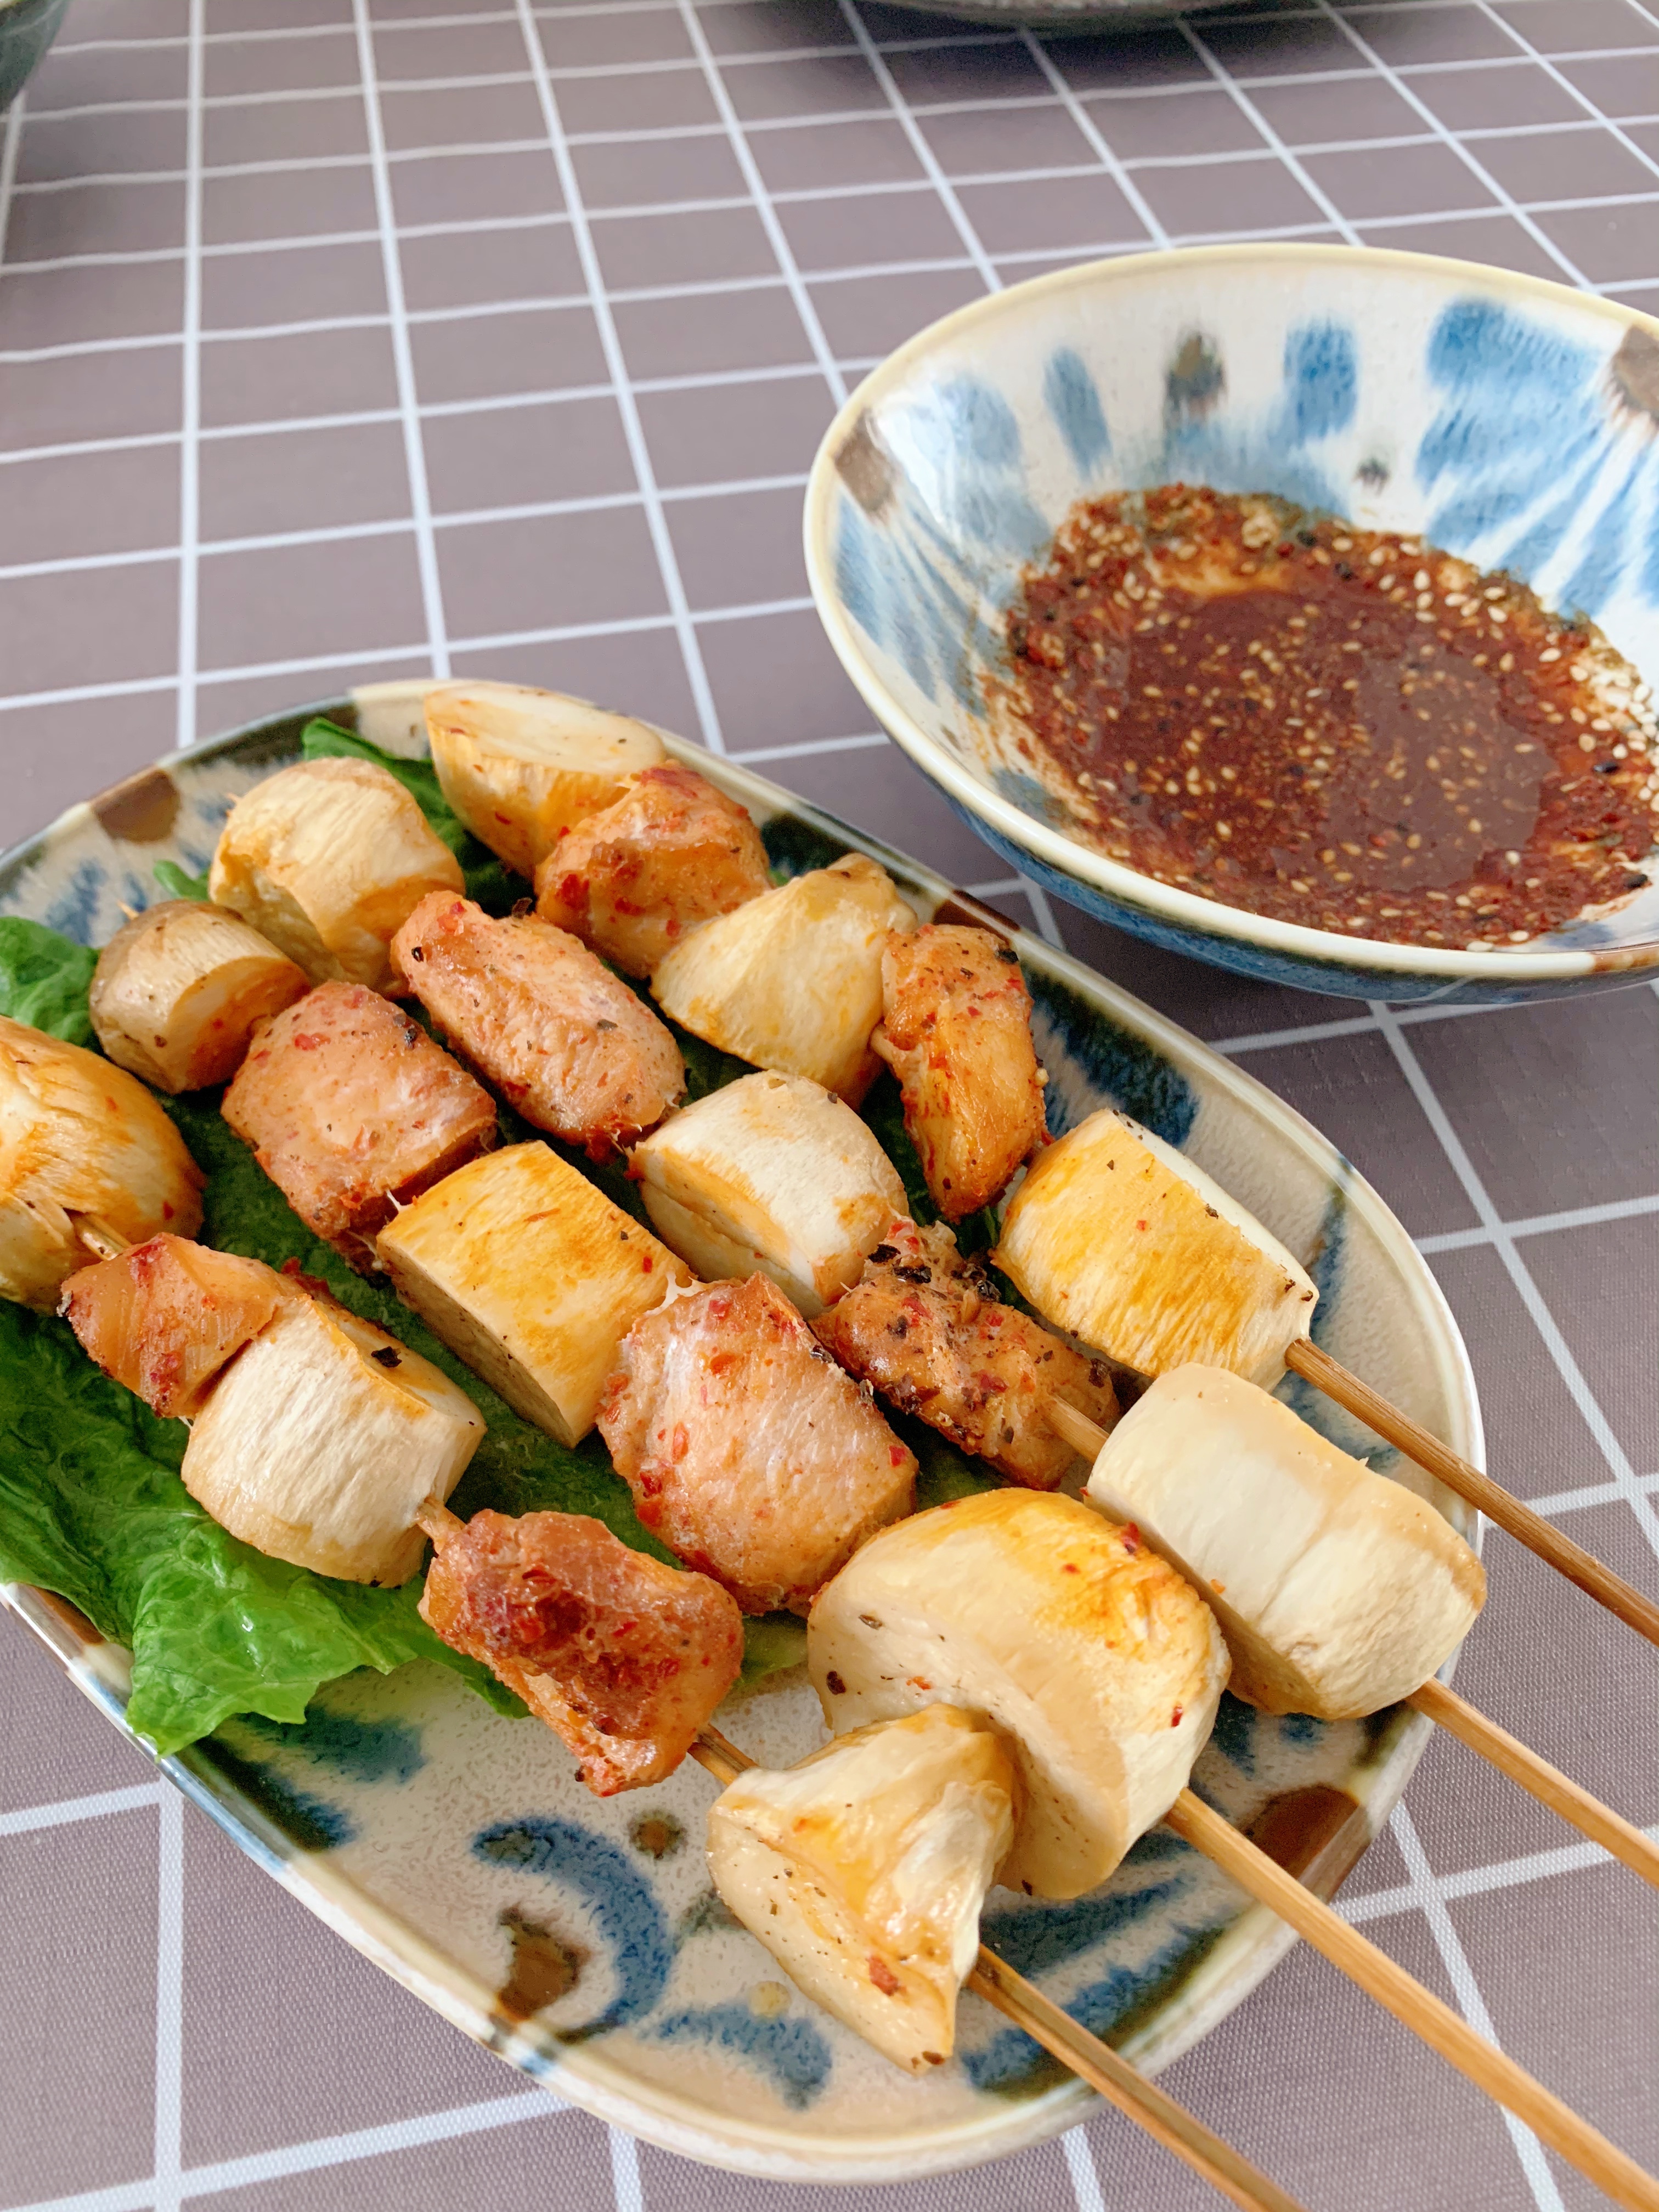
[1086, 2055]
[1490, 2069]
[1511, 1757]
[1519, 1521]
[1546, 1783]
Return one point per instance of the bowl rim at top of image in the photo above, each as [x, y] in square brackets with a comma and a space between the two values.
[1067, 856]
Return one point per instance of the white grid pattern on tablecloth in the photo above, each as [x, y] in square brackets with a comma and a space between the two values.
[1425, 1893]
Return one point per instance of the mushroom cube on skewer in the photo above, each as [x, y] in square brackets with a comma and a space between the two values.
[772, 1173]
[568, 1044]
[1338, 1591]
[793, 980]
[925, 1327]
[532, 1276]
[323, 1439]
[352, 1109]
[624, 1658]
[519, 765]
[1099, 1664]
[863, 1870]
[747, 1450]
[669, 852]
[78, 1137]
[328, 859]
[163, 1317]
[956, 1030]
[1116, 1237]
[179, 989]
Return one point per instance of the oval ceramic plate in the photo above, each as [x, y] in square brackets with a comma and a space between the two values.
[582, 1941]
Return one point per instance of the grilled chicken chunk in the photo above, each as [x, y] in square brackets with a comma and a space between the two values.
[923, 1325]
[771, 1173]
[324, 1439]
[668, 852]
[956, 1030]
[1098, 1664]
[568, 1045]
[180, 988]
[163, 1317]
[863, 1869]
[1122, 1240]
[325, 859]
[624, 1658]
[79, 1137]
[518, 765]
[793, 980]
[528, 1273]
[747, 1449]
[1338, 1592]
[351, 1110]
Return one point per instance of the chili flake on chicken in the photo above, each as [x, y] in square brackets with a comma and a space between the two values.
[668, 852]
[747, 1450]
[957, 1031]
[624, 1658]
[352, 1110]
[566, 1042]
[924, 1326]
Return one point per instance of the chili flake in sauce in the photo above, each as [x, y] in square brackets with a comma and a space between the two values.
[1336, 726]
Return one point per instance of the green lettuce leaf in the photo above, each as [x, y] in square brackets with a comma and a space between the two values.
[44, 979]
[174, 880]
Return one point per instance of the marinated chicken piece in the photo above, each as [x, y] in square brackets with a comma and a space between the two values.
[325, 859]
[793, 980]
[81, 1143]
[956, 1030]
[352, 1110]
[568, 1045]
[164, 1316]
[324, 1440]
[529, 1273]
[519, 765]
[1099, 1666]
[863, 1871]
[179, 990]
[1120, 1239]
[747, 1449]
[771, 1173]
[923, 1325]
[1338, 1592]
[670, 851]
[624, 1658]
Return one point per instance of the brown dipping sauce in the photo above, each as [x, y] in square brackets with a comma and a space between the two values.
[1334, 727]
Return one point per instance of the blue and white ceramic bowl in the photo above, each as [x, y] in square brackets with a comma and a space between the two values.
[1511, 422]
[581, 1940]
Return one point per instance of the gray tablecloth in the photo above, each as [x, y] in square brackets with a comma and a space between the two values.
[314, 368]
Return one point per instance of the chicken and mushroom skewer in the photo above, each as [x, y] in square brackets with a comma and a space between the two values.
[1116, 1237]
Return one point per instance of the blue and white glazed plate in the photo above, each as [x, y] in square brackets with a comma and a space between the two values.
[582, 1941]
[1513, 423]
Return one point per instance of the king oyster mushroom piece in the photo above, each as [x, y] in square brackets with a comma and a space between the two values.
[1119, 1238]
[179, 989]
[863, 1870]
[327, 860]
[528, 1273]
[1101, 1667]
[519, 765]
[85, 1156]
[791, 979]
[322, 1441]
[772, 1173]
